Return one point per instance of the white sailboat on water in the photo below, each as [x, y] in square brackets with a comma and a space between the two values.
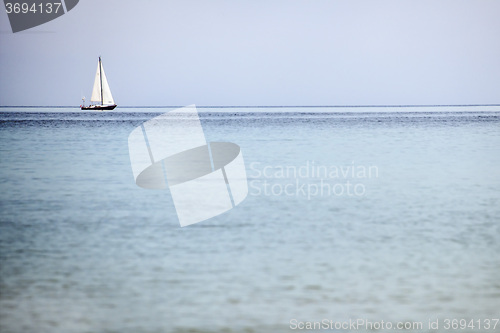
[101, 94]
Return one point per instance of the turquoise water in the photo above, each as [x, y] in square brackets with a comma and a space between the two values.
[417, 238]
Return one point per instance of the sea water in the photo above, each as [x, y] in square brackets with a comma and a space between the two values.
[352, 214]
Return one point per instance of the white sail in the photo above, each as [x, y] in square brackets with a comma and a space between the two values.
[107, 98]
[96, 91]
[105, 92]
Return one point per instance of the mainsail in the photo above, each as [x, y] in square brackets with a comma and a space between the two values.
[101, 92]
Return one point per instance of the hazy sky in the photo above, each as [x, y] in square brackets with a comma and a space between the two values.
[259, 53]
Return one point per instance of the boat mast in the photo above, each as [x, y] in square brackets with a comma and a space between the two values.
[100, 77]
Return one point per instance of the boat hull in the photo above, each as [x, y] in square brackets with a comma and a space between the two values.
[99, 107]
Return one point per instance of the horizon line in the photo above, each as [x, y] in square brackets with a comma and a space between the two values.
[264, 106]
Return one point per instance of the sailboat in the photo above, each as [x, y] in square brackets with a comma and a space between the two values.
[101, 94]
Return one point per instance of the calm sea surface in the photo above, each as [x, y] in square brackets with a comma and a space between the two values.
[355, 214]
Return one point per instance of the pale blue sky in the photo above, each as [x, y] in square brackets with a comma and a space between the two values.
[259, 53]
